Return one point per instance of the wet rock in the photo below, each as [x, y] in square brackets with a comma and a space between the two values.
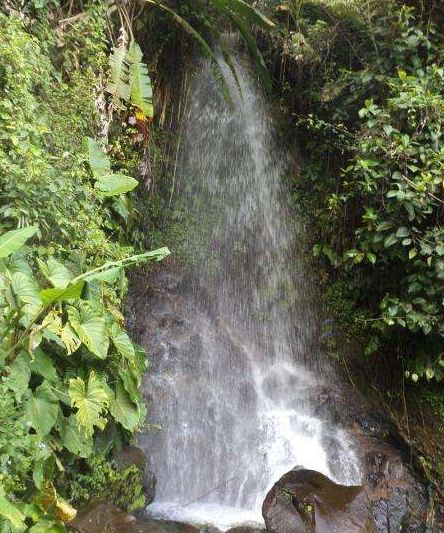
[399, 501]
[149, 486]
[245, 529]
[305, 501]
[103, 517]
[164, 526]
[107, 518]
[132, 455]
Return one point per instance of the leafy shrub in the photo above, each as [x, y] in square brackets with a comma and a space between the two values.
[103, 481]
[70, 376]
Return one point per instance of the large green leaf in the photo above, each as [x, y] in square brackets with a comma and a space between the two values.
[26, 289]
[19, 375]
[11, 241]
[71, 292]
[115, 184]
[106, 269]
[70, 339]
[122, 342]
[43, 365]
[124, 410]
[41, 409]
[75, 439]
[55, 272]
[98, 160]
[131, 386]
[90, 326]
[10, 511]
[140, 83]
[91, 401]
[109, 275]
[118, 84]
[16, 263]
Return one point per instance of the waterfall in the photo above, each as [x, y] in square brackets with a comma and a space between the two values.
[235, 391]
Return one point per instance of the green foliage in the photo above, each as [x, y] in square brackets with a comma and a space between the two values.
[241, 14]
[129, 79]
[103, 481]
[70, 375]
[65, 401]
[372, 121]
[141, 92]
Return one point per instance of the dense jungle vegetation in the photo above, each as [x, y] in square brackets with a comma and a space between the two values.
[87, 116]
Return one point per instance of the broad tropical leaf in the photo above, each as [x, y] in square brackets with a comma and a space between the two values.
[122, 342]
[115, 184]
[131, 386]
[140, 83]
[75, 439]
[71, 292]
[19, 375]
[16, 263]
[109, 269]
[90, 326]
[109, 275]
[118, 84]
[124, 410]
[43, 366]
[91, 401]
[10, 511]
[11, 241]
[55, 272]
[98, 160]
[41, 409]
[70, 339]
[25, 289]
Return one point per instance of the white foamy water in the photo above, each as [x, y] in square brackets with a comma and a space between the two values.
[237, 377]
[220, 516]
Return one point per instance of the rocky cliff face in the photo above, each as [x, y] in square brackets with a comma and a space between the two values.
[393, 495]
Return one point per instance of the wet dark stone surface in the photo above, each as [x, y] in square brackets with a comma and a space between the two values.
[392, 477]
[305, 501]
[106, 518]
[162, 526]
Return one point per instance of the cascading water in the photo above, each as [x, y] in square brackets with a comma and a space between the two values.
[235, 399]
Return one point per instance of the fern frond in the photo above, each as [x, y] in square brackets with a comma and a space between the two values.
[141, 91]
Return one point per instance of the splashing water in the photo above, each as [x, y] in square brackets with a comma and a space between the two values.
[235, 388]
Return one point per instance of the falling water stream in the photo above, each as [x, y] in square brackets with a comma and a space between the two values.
[236, 407]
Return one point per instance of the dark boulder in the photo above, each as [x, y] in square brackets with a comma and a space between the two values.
[305, 501]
